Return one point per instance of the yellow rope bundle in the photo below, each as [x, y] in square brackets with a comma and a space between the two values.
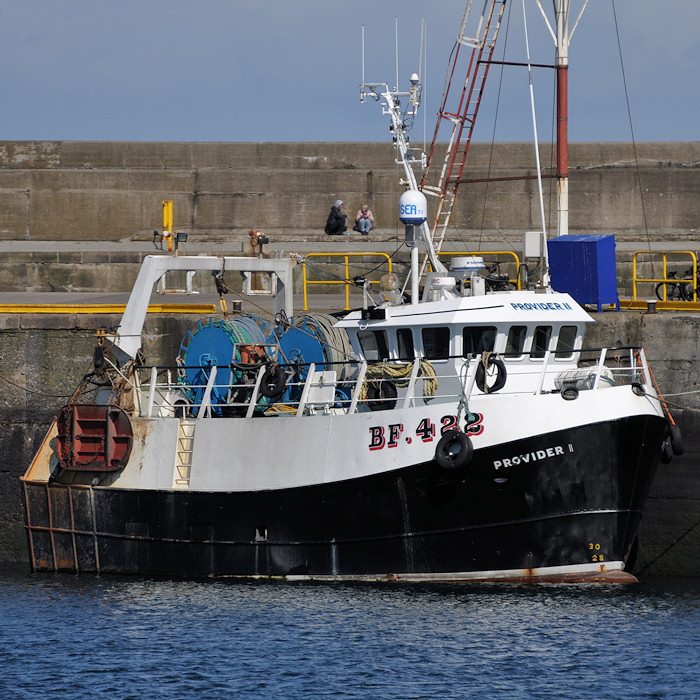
[400, 376]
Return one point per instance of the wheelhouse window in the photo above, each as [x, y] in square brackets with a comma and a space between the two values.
[540, 340]
[374, 345]
[436, 343]
[404, 343]
[516, 340]
[565, 342]
[478, 339]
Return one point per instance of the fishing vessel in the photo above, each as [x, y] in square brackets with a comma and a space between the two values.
[456, 429]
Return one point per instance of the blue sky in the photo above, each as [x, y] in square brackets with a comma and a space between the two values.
[276, 70]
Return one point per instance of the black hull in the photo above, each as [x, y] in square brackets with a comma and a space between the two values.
[573, 505]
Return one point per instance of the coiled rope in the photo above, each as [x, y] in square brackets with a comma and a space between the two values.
[322, 327]
[400, 375]
[337, 339]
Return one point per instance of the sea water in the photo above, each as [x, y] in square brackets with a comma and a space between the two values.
[65, 636]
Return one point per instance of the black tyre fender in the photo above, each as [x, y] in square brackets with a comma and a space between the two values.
[666, 451]
[501, 374]
[454, 450]
[274, 382]
[676, 440]
[181, 408]
[569, 393]
[638, 389]
[381, 396]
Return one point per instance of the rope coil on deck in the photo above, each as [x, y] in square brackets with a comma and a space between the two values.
[400, 375]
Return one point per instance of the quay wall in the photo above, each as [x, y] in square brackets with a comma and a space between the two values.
[43, 356]
[110, 191]
[79, 194]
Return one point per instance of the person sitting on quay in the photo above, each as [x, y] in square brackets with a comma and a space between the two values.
[335, 226]
[364, 221]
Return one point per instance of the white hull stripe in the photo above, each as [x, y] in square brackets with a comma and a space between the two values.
[609, 572]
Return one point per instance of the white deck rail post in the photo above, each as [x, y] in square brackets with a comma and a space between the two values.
[306, 390]
[411, 388]
[256, 389]
[152, 391]
[205, 406]
[599, 367]
[358, 387]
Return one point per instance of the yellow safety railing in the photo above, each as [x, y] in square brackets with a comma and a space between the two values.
[104, 308]
[348, 280]
[665, 280]
[487, 254]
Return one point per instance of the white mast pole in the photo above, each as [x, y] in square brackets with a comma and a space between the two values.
[537, 145]
[562, 63]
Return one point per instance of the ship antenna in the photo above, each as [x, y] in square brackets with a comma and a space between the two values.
[396, 48]
[417, 232]
[362, 61]
[421, 59]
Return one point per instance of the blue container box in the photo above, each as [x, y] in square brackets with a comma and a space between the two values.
[584, 267]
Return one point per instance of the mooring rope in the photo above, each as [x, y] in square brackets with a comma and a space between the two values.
[400, 375]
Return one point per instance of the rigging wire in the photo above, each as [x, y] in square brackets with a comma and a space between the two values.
[534, 126]
[355, 266]
[283, 321]
[671, 546]
[32, 391]
[634, 143]
[493, 133]
[423, 73]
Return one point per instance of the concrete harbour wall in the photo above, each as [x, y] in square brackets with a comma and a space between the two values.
[83, 192]
[91, 191]
[42, 357]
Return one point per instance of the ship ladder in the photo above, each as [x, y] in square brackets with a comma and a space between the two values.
[185, 447]
[462, 117]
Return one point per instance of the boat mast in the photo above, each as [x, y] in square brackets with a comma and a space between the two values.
[406, 157]
[562, 39]
[460, 107]
[562, 63]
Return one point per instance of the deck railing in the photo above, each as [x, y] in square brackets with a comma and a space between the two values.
[665, 283]
[347, 281]
[349, 387]
[491, 256]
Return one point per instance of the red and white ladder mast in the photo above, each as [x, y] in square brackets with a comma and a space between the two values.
[460, 110]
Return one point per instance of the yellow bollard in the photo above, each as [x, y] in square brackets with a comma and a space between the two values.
[168, 222]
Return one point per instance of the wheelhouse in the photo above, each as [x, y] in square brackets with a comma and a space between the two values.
[467, 331]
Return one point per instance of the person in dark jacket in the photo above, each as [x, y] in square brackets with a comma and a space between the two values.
[335, 226]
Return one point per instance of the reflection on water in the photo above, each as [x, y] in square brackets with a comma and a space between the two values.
[64, 636]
